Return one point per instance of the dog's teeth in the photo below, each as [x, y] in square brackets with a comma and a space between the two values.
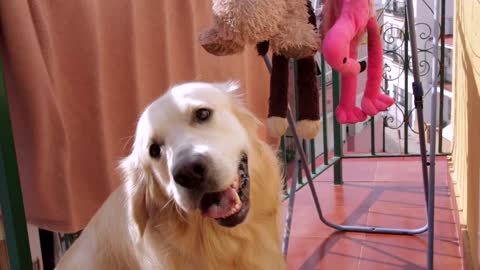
[237, 199]
[235, 208]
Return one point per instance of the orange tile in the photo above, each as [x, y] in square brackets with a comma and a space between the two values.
[406, 252]
[359, 171]
[336, 207]
[381, 193]
[334, 252]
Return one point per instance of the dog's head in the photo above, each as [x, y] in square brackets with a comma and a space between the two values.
[193, 144]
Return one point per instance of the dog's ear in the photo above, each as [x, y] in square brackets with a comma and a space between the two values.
[136, 191]
[229, 86]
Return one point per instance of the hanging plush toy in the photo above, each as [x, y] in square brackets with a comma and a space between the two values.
[344, 24]
[288, 27]
[241, 22]
[308, 118]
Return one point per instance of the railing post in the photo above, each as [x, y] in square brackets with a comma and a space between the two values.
[442, 78]
[372, 135]
[313, 156]
[337, 131]
[295, 90]
[11, 199]
[384, 122]
[324, 111]
[283, 156]
[384, 126]
[406, 70]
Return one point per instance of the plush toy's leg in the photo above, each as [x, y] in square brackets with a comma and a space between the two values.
[374, 100]
[336, 47]
[308, 120]
[347, 112]
[215, 43]
[278, 103]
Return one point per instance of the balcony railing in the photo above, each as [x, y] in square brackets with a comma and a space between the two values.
[396, 8]
[395, 121]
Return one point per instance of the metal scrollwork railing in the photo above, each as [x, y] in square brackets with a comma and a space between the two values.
[398, 66]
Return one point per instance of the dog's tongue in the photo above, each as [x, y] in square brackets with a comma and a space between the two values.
[228, 205]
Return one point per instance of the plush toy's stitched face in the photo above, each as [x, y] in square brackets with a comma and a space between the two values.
[196, 148]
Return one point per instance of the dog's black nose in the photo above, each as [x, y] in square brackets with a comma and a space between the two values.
[191, 171]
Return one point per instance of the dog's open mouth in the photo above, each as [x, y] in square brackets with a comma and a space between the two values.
[230, 206]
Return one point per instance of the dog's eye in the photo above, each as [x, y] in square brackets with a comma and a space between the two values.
[154, 150]
[202, 114]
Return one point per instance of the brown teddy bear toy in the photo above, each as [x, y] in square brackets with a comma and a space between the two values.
[289, 28]
[240, 22]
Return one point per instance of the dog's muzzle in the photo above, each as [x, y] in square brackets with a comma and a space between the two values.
[230, 206]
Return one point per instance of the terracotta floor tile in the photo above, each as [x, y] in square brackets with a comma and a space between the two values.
[334, 252]
[330, 195]
[382, 193]
[338, 203]
[398, 170]
[393, 253]
[359, 171]
[407, 171]
[406, 252]
[401, 218]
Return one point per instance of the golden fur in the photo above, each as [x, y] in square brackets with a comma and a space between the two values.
[141, 227]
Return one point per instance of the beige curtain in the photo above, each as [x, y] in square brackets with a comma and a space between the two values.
[78, 75]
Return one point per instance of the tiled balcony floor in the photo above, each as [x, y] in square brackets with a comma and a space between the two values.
[378, 192]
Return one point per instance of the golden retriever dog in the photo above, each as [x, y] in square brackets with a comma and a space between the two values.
[201, 191]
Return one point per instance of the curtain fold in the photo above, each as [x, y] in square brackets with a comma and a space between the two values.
[78, 75]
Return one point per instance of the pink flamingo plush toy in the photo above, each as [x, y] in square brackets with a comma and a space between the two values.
[343, 25]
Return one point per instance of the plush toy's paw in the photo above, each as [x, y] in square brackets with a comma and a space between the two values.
[379, 103]
[349, 115]
[277, 126]
[213, 43]
[308, 129]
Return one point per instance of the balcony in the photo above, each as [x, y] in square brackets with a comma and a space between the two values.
[367, 174]
[375, 192]
[370, 174]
